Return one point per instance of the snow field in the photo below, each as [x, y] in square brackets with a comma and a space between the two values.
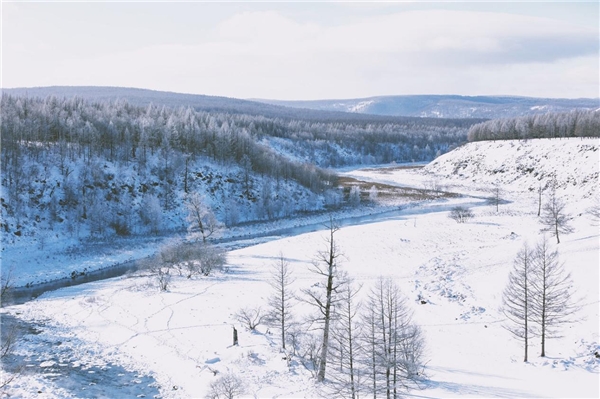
[459, 270]
[452, 275]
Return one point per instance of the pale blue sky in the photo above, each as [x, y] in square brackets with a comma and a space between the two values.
[306, 50]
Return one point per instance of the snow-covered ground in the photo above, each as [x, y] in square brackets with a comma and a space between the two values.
[183, 336]
[516, 166]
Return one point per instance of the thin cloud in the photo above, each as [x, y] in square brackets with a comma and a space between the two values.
[271, 54]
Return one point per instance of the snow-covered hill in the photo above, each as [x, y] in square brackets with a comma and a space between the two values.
[523, 165]
[518, 167]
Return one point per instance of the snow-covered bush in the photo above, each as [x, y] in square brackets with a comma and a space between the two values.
[461, 214]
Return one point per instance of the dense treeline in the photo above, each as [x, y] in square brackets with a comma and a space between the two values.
[113, 168]
[551, 125]
[215, 104]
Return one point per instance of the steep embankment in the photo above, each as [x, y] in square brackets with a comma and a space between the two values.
[519, 165]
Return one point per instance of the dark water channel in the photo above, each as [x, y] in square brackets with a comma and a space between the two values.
[58, 360]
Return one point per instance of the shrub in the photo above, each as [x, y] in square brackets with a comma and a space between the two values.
[461, 214]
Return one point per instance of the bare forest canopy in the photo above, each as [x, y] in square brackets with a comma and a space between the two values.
[552, 125]
[110, 167]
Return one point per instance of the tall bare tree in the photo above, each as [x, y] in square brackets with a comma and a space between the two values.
[323, 296]
[497, 193]
[552, 291]
[282, 298]
[395, 342]
[517, 297]
[346, 376]
[555, 217]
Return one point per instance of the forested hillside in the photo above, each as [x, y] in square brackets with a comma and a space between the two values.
[198, 102]
[551, 125]
[111, 168]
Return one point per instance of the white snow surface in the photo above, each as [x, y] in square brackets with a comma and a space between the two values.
[182, 336]
[517, 166]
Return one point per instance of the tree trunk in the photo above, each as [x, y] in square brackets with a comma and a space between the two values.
[283, 321]
[325, 344]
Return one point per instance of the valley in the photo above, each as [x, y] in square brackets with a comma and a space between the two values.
[452, 275]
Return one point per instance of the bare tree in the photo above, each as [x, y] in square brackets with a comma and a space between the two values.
[8, 340]
[6, 283]
[228, 386]
[282, 298]
[251, 317]
[162, 268]
[594, 211]
[396, 344]
[540, 192]
[517, 297]
[323, 294]
[497, 193]
[202, 221]
[555, 217]
[552, 291]
[461, 214]
[346, 376]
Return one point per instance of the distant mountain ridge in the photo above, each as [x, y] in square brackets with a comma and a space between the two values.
[445, 106]
[199, 102]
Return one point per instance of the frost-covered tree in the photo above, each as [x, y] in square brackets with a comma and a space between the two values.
[151, 213]
[554, 216]
[282, 297]
[354, 196]
[552, 293]
[373, 193]
[517, 298]
[202, 220]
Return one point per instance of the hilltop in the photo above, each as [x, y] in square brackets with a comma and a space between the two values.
[519, 167]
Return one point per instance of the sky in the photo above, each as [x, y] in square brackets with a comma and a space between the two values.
[306, 50]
